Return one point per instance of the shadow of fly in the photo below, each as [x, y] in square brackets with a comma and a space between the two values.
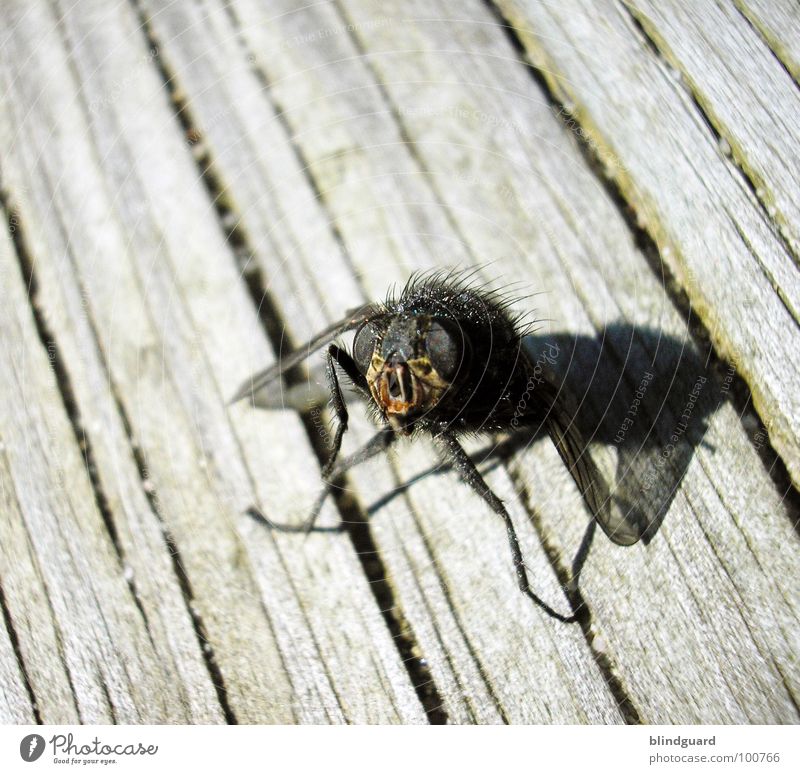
[444, 358]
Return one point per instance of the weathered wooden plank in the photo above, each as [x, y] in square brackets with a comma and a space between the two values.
[554, 221]
[493, 175]
[146, 556]
[690, 198]
[493, 656]
[30, 614]
[139, 537]
[26, 597]
[57, 558]
[743, 89]
[15, 701]
[478, 149]
[779, 22]
[178, 332]
[15, 704]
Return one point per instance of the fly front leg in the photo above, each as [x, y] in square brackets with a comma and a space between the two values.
[336, 355]
[379, 442]
[331, 471]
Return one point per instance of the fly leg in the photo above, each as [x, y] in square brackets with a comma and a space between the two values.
[331, 471]
[336, 355]
[470, 475]
[377, 444]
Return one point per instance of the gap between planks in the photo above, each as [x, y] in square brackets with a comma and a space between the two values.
[354, 520]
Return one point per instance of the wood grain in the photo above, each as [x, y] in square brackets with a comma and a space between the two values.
[191, 188]
[642, 123]
[82, 635]
[15, 701]
[383, 240]
[748, 96]
[779, 22]
[164, 313]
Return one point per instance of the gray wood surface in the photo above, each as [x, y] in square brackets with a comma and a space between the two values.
[168, 164]
[163, 313]
[82, 636]
[779, 22]
[641, 120]
[744, 90]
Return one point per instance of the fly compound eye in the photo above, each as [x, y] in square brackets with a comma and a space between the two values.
[364, 345]
[447, 348]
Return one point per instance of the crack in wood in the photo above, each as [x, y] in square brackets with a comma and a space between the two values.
[646, 244]
[70, 404]
[353, 519]
[770, 42]
[60, 371]
[14, 640]
[280, 117]
[217, 680]
[67, 395]
[747, 176]
[151, 494]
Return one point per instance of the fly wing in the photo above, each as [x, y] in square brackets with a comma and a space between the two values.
[573, 450]
[308, 394]
[258, 381]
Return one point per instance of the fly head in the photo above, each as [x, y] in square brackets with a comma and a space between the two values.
[410, 361]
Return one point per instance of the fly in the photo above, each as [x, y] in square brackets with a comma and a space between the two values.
[445, 358]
